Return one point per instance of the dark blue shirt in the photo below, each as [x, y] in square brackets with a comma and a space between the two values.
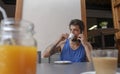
[68, 54]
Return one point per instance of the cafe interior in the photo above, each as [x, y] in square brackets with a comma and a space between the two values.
[51, 18]
[97, 11]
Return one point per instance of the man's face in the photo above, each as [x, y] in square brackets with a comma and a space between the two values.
[75, 30]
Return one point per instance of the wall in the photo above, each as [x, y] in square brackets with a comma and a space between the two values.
[51, 18]
[99, 13]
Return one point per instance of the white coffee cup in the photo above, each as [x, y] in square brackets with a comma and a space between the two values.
[71, 36]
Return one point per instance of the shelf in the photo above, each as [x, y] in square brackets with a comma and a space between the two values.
[99, 32]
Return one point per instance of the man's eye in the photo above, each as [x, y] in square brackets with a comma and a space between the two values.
[76, 30]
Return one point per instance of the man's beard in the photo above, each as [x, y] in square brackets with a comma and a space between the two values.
[75, 40]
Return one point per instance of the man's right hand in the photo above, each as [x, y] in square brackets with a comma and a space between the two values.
[63, 37]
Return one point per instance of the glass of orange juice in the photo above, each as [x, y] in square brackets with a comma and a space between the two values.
[18, 52]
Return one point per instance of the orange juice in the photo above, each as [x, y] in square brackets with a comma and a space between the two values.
[18, 59]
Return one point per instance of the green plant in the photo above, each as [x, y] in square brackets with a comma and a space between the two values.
[104, 23]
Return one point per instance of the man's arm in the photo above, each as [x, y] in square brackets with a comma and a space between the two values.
[87, 46]
[55, 47]
[88, 49]
[51, 49]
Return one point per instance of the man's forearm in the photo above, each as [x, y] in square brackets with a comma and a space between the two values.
[88, 49]
[51, 49]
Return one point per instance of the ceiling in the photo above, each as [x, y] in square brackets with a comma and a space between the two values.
[98, 4]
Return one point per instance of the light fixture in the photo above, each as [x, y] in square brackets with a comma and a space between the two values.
[93, 27]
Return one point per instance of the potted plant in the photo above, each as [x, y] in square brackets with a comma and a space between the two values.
[103, 24]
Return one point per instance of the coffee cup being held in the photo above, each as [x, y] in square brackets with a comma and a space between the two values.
[71, 36]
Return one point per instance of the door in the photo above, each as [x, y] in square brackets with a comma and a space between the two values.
[116, 20]
[18, 11]
[83, 15]
[116, 17]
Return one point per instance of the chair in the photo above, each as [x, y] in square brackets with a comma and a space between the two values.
[53, 58]
[39, 57]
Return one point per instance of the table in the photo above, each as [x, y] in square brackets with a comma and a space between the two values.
[75, 68]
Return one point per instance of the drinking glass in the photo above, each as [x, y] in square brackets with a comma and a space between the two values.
[105, 61]
[18, 52]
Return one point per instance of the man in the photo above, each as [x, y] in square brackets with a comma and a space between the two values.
[76, 49]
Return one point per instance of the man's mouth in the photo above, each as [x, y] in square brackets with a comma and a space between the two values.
[75, 39]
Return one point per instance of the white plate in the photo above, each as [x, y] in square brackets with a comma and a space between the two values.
[93, 72]
[62, 62]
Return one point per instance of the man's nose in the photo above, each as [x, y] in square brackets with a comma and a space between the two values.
[72, 31]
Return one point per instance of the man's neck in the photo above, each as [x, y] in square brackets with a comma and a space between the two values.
[77, 43]
[74, 45]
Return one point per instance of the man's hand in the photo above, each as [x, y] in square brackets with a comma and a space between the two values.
[63, 37]
[83, 39]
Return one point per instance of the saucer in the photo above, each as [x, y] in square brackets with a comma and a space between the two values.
[93, 72]
[62, 62]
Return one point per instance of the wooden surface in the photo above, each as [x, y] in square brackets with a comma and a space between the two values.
[116, 15]
[83, 15]
[118, 47]
[102, 33]
[116, 18]
[99, 32]
[18, 11]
